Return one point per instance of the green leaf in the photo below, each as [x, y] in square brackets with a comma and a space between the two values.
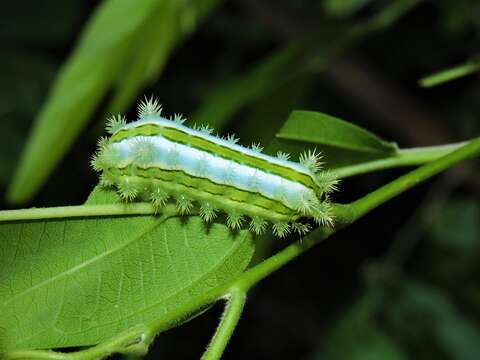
[268, 74]
[344, 8]
[356, 336]
[78, 282]
[442, 323]
[341, 142]
[323, 129]
[457, 228]
[120, 44]
[450, 74]
[170, 23]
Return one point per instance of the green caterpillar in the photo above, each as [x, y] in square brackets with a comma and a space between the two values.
[156, 158]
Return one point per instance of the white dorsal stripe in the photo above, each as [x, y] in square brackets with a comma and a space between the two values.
[250, 152]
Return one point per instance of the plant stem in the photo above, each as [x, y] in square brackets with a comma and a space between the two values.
[133, 341]
[403, 157]
[405, 182]
[82, 211]
[231, 315]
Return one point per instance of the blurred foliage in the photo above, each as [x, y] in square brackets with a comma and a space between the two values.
[243, 66]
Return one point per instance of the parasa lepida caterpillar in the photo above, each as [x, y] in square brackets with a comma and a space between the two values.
[157, 158]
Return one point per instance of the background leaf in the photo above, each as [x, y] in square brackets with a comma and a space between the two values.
[80, 281]
[457, 227]
[438, 322]
[341, 142]
[106, 53]
[452, 73]
[356, 336]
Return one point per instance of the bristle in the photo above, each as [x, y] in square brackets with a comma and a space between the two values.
[96, 162]
[231, 138]
[258, 225]
[184, 205]
[323, 214]
[311, 160]
[300, 229]
[149, 108]
[327, 181]
[205, 129]
[178, 119]
[281, 229]
[256, 147]
[158, 197]
[234, 220]
[102, 143]
[144, 151]
[115, 123]
[127, 190]
[283, 155]
[104, 159]
[208, 212]
[106, 181]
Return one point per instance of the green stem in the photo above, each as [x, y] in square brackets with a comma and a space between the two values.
[82, 211]
[231, 315]
[403, 157]
[133, 341]
[405, 182]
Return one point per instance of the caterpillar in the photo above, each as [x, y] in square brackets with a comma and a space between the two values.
[156, 158]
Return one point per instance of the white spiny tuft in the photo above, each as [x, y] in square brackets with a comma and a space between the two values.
[102, 143]
[256, 147]
[208, 212]
[115, 123]
[149, 108]
[96, 162]
[143, 150]
[323, 214]
[283, 155]
[258, 225]
[306, 204]
[127, 190]
[300, 229]
[311, 160]
[106, 181]
[234, 220]
[327, 181]
[159, 198]
[281, 229]
[205, 129]
[231, 138]
[178, 119]
[105, 158]
[184, 204]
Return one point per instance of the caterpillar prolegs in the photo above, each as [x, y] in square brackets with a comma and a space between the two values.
[158, 159]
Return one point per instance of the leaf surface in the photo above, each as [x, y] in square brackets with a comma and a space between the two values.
[342, 143]
[73, 282]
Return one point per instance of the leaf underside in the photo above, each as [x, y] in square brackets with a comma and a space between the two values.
[74, 282]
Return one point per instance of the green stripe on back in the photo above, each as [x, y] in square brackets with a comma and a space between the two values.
[203, 144]
[204, 189]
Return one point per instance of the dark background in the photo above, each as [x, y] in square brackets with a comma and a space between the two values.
[402, 282]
